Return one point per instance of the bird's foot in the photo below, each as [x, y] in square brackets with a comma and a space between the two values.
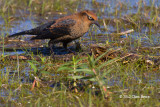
[71, 51]
[52, 55]
[78, 46]
[51, 52]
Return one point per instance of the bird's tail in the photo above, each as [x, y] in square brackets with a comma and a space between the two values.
[35, 31]
[19, 33]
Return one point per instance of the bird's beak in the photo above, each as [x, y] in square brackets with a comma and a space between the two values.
[96, 23]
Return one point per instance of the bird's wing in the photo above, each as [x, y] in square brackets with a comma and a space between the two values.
[56, 30]
[44, 27]
[62, 27]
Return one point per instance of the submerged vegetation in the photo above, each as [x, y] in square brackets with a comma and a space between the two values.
[117, 66]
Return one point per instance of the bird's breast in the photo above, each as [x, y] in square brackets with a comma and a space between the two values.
[78, 30]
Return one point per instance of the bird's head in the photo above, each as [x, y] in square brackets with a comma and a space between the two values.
[89, 18]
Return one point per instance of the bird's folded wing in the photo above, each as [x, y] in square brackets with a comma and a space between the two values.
[62, 27]
[56, 30]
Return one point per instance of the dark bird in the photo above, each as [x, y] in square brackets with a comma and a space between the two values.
[65, 29]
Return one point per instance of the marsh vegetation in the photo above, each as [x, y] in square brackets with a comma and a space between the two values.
[117, 66]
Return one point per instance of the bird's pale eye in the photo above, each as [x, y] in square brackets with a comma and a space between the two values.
[90, 18]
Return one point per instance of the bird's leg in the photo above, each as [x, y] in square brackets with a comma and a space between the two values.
[78, 46]
[65, 46]
[50, 45]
